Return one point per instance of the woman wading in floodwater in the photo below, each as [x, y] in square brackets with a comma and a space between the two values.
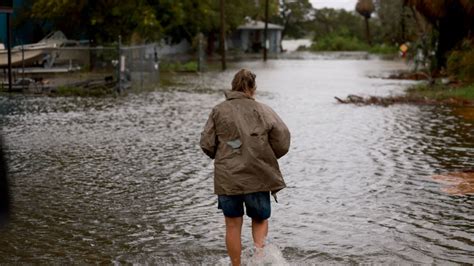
[245, 138]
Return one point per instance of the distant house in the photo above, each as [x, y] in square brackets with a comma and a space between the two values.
[249, 37]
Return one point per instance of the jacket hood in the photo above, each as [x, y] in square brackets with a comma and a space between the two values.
[229, 95]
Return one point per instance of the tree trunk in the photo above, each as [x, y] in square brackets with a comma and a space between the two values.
[265, 34]
[403, 25]
[283, 32]
[452, 29]
[222, 39]
[211, 39]
[367, 31]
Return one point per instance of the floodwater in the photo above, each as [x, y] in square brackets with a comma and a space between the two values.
[293, 45]
[122, 180]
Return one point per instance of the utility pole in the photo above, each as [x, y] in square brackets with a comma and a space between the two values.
[6, 6]
[265, 33]
[222, 39]
[200, 37]
[119, 65]
[9, 47]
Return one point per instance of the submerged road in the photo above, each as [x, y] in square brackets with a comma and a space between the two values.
[102, 180]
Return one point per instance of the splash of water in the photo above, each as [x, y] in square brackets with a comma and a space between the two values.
[269, 255]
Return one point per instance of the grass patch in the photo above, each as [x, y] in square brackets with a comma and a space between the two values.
[346, 43]
[191, 66]
[78, 91]
[442, 92]
[338, 43]
[383, 49]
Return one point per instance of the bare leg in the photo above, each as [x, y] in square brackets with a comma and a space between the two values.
[259, 232]
[233, 227]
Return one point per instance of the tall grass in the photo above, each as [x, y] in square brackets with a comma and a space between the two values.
[461, 61]
[336, 42]
[442, 92]
[190, 66]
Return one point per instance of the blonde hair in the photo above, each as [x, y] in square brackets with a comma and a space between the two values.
[244, 81]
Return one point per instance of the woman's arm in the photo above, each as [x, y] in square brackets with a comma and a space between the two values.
[208, 137]
[279, 136]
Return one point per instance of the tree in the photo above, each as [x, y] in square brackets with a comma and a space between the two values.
[101, 20]
[294, 16]
[453, 19]
[329, 21]
[143, 20]
[222, 35]
[397, 22]
[365, 8]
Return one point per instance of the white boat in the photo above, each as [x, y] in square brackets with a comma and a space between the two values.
[52, 40]
[35, 53]
[20, 58]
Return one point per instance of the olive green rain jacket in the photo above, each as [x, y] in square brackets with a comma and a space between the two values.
[245, 138]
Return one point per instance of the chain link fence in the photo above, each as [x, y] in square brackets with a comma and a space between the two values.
[140, 65]
[124, 66]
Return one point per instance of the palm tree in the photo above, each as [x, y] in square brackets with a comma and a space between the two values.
[365, 8]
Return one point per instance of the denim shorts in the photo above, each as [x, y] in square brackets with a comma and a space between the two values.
[257, 205]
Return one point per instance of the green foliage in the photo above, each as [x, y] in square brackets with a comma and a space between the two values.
[396, 22]
[101, 20]
[453, 19]
[341, 22]
[295, 17]
[78, 91]
[140, 21]
[461, 61]
[204, 16]
[335, 42]
[190, 66]
[441, 92]
[383, 49]
[422, 52]
[344, 40]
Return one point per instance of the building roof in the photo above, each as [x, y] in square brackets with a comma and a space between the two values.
[258, 25]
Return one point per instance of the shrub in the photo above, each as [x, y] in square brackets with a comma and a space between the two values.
[344, 42]
[190, 66]
[383, 49]
[339, 43]
[461, 61]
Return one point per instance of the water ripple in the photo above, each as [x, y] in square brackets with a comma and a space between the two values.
[122, 180]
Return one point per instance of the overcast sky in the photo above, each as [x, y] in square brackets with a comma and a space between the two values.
[346, 4]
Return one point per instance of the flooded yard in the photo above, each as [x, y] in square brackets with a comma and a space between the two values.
[105, 180]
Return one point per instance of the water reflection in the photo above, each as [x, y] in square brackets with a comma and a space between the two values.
[457, 183]
[123, 179]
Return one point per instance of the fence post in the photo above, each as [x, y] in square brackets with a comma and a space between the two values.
[222, 35]
[9, 53]
[200, 52]
[119, 64]
[265, 33]
[156, 64]
[22, 60]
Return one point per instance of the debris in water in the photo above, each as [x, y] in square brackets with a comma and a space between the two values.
[465, 113]
[270, 255]
[402, 99]
[457, 183]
